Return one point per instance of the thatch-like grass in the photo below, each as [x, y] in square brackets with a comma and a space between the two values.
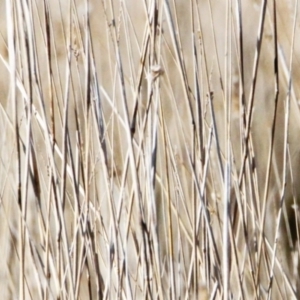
[149, 149]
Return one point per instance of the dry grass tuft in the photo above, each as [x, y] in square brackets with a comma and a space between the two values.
[149, 149]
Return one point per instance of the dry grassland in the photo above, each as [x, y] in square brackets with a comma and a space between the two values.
[149, 149]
